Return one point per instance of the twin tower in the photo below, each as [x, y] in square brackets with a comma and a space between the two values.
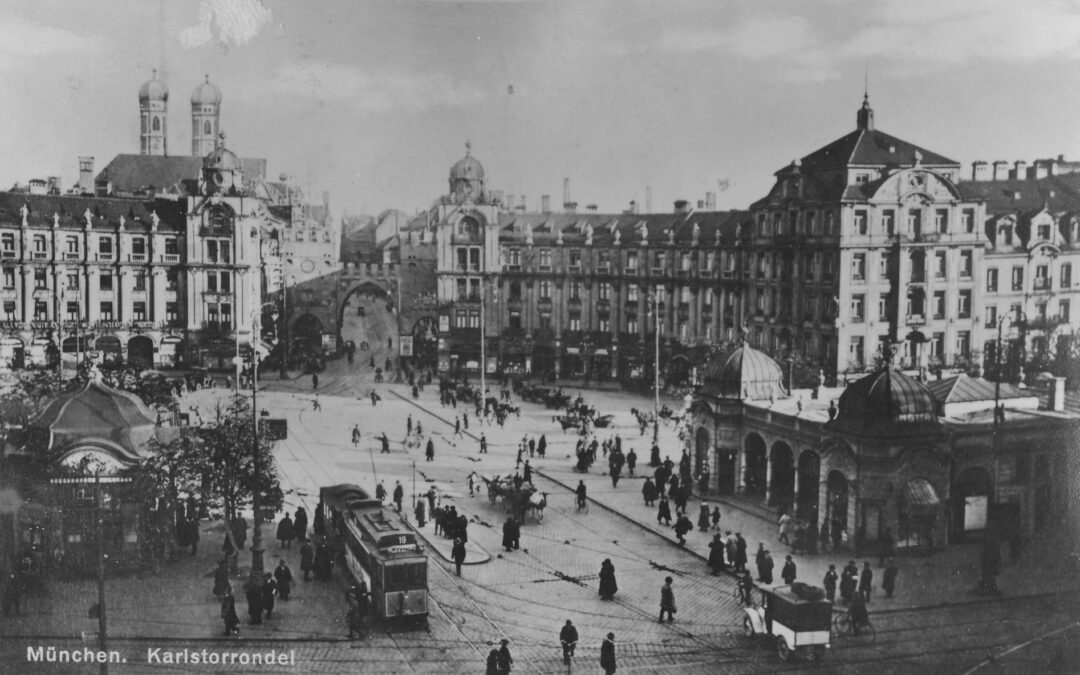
[153, 116]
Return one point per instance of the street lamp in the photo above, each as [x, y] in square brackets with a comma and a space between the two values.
[654, 301]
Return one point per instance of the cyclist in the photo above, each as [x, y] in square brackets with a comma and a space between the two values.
[581, 494]
[568, 637]
[857, 613]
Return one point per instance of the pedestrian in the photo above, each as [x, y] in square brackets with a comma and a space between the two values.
[829, 582]
[667, 601]
[408, 424]
[508, 534]
[785, 519]
[886, 546]
[221, 578]
[506, 661]
[532, 446]
[285, 531]
[228, 612]
[788, 573]
[385, 441]
[458, 554]
[631, 462]
[269, 592]
[759, 560]
[730, 548]
[299, 526]
[419, 511]
[493, 662]
[824, 537]
[314, 380]
[608, 585]
[866, 581]
[607, 654]
[399, 495]
[615, 470]
[307, 559]
[541, 446]
[648, 491]
[283, 577]
[254, 602]
[380, 492]
[323, 562]
[568, 636]
[457, 426]
[582, 496]
[355, 434]
[465, 420]
[716, 554]
[767, 568]
[663, 512]
[483, 444]
[528, 473]
[703, 517]
[430, 494]
[429, 453]
[716, 518]
[889, 581]
[682, 526]
[193, 535]
[740, 552]
[848, 582]
[315, 405]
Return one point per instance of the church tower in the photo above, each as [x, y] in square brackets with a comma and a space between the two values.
[205, 118]
[153, 112]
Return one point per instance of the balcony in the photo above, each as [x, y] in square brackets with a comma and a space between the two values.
[72, 255]
[575, 269]
[631, 271]
[511, 268]
[603, 268]
[104, 257]
[39, 255]
[916, 319]
[707, 274]
[137, 257]
[9, 254]
[170, 257]
[1042, 283]
[217, 295]
[543, 268]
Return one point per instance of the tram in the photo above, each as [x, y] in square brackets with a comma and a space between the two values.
[379, 548]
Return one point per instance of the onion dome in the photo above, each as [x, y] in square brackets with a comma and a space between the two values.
[467, 168]
[153, 90]
[221, 158]
[206, 94]
[744, 374]
[887, 401]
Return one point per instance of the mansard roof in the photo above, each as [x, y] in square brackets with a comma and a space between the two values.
[135, 174]
[870, 147]
[1059, 194]
[105, 212]
[546, 227]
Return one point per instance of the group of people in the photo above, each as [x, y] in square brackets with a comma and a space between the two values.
[568, 637]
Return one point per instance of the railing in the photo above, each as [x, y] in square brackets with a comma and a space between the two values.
[543, 268]
[8, 254]
[137, 257]
[1042, 283]
[72, 255]
[170, 257]
[916, 319]
[575, 269]
[39, 255]
[104, 257]
[603, 268]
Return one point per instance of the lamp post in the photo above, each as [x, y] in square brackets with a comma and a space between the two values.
[654, 300]
[256, 466]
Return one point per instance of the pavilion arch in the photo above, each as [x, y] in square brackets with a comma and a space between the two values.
[782, 476]
[141, 351]
[755, 469]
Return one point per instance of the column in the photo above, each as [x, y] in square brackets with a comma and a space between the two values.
[768, 474]
[93, 306]
[28, 293]
[125, 306]
[157, 293]
[58, 293]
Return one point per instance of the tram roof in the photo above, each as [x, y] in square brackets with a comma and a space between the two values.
[346, 496]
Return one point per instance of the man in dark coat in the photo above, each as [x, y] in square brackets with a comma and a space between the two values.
[759, 560]
[866, 581]
[323, 562]
[889, 581]
[240, 528]
[740, 553]
[458, 554]
[788, 573]
[667, 600]
[193, 535]
[283, 577]
[716, 554]
[654, 455]
[483, 444]
[568, 636]
[508, 534]
[648, 491]
[300, 523]
[461, 528]
[682, 526]
[848, 582]
[221, 579]
[767, 568]
[399, 495]
[528, 473]
[254, 602]
[608, 585]
[886, 546]
[384, 440]
[269, 592]
[631, 462]
[429, 453]
[830, 584]
[228, 612]
[307, 559]
[285, 531]
[541, 446]
[506, 661]
[607, 654]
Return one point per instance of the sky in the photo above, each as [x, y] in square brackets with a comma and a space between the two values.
[374, 100]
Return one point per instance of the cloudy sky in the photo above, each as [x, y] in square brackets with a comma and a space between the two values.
[374, 100]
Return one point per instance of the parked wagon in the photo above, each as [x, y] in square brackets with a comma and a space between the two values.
[799, 623]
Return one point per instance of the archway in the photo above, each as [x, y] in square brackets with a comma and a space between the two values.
[369, 328]
[755, 470]
[141, 351]
[782, 486]
[836, 506]
[702, 449]
[425, 335]
[110, 348]
[809, 482]
[678, 370]
[971, 490]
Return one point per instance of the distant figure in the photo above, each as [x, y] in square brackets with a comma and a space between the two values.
[458, 554]
[283, 577]
[314, 380]
[667, 601]
[285, 531]
[608, 585]
[399, 495]
[228, 613]
[607, 654]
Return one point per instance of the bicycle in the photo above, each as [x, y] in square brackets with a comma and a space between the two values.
[568, 654]
[843, 627]
[582, 505]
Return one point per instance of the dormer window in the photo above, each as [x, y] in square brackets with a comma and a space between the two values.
[1005, 233]
[862, 178]
[1044, 232]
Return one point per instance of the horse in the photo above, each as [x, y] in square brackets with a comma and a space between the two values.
[537, 504]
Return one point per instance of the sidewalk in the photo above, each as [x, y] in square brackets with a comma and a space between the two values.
[943, 578]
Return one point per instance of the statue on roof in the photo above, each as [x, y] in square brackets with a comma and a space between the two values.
[558, 236]
[24, 211]
[55, 219]
[528, 234]
[696, 234]
[88, 216]
[123, 221]
[588, 234]
[671, 236]
[618, 234]
[154, 221]
[643, 229]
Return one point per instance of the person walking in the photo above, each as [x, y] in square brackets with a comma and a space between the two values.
[300, 523]
[582, 496]
[607, 654]
[324, 563]
[663, 511]
[848, 582]
[483, 444]
[420, 511]
[508, 534]
[608, 586]
[429, 453]
[888, 583]
[399, 495]
[788, 573]
[730, 548]
[541, 445]
[716, 554]
[315, 381]
[285, 532]
[284, 579]
[767, 568]
[492, 662]
[457, 426]
[759, 561]
[307, 559]
[703, 517]
[866, 581]
[385, 444]
[785, 519]
[315, 405]
[568, 637]
[506, 661]
[221, 579]
[667, 601]
[648, 491]
[458, 554]
[631, 462]
[254, 602]
[829, 582]
[681, 527]
[269, 592]
[527, 471]
[228, 612]
[408, 424]
[886, 546]
[740, 553]
[380, 492]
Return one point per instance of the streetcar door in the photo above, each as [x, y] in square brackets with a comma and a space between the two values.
[378, 567]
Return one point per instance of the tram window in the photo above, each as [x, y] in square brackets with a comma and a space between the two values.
[403, 577]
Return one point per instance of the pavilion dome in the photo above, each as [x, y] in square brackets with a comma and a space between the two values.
[154, 90]
[884, 401]
[745, 373]
[98, 416]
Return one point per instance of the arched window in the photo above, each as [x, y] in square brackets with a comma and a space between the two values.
[220, 219]
[157, 123]
[206, 128]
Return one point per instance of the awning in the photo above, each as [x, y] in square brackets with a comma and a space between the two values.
[919, 496]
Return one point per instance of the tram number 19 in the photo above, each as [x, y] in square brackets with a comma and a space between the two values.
[401, 540]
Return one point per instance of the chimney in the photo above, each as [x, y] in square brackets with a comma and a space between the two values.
[545, 203]
[591, 208]
[682, 206]
[648, 199]
[980, 170]
[523, 206]
[568, 206]
[1057, 395]
[1042, 168]
[710, 201]
[1001, 170]
[1020, 170]
[86, 174]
